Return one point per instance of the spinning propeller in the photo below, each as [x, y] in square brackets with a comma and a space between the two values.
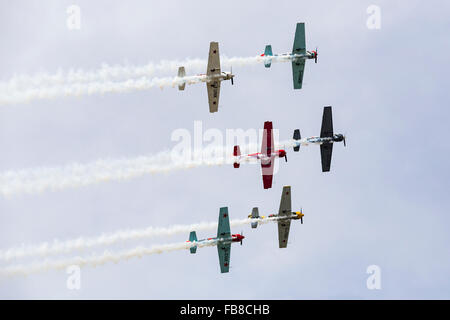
[231, 72]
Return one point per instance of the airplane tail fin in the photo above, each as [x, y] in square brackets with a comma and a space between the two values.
[255, 215]
[297, 137]
[181, 74]
[236, 153]
[268, 53]
[192, 238]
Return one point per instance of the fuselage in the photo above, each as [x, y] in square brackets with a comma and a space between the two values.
[203, 78]
[230, 239]
[293, 216]
[291, 56]
[263, 157]
[222, 76]
[319, 140]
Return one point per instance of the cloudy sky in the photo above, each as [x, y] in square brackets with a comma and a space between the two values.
[385, 201]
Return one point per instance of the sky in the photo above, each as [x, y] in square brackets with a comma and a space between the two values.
[383, 203]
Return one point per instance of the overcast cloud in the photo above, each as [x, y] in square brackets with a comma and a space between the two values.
[385, 201]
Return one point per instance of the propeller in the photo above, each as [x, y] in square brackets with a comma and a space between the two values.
[231, 71]
[301, 218]
[344, 141]
[242, 234]
[315, 57]
[285, 157]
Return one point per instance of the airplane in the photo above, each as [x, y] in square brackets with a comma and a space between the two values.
[284, 217]
[326, 139]
[224, 240]
[213, 77]
[266, 156]
[298, 56]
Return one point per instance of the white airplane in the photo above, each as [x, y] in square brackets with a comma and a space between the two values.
[213, 77]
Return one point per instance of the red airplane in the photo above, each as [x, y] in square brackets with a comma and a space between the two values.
[267, 155]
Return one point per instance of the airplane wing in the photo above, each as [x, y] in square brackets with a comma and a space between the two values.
[267, 143]
[299, 40]
[223, 230]
[266, 150]
[213, 59]
[285, 203]
[298, 66]
[283, 232]
[285, 210]
[267, 177]
[327, 123]
[224, 256]
[213, 88]
[326, 150]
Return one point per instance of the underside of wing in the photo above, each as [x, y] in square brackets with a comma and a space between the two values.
[300, 39]
[267, 180]
[223, 229]
[213, 59]
[283, 232]
[224, 256]
[326, 150]
[327, 123]
[213, 95]
[267, 143]
[298, 68]
[285, 203]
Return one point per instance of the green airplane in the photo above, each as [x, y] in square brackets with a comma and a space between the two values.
[224, 240]
[298, 56]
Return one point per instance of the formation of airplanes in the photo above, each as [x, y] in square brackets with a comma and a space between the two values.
[224, 238]
[214, 76]
[269, 151]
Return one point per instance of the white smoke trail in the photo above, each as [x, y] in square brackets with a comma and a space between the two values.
[35, 180]
[77, 175]
[84, 243]
[107, 73]
[81, 89]
[97, 260]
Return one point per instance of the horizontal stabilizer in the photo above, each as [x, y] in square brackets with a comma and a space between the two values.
[236, 153]
[268, 53]
[192, 238]
[297, 137]
[255, 215]
[181, 74]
